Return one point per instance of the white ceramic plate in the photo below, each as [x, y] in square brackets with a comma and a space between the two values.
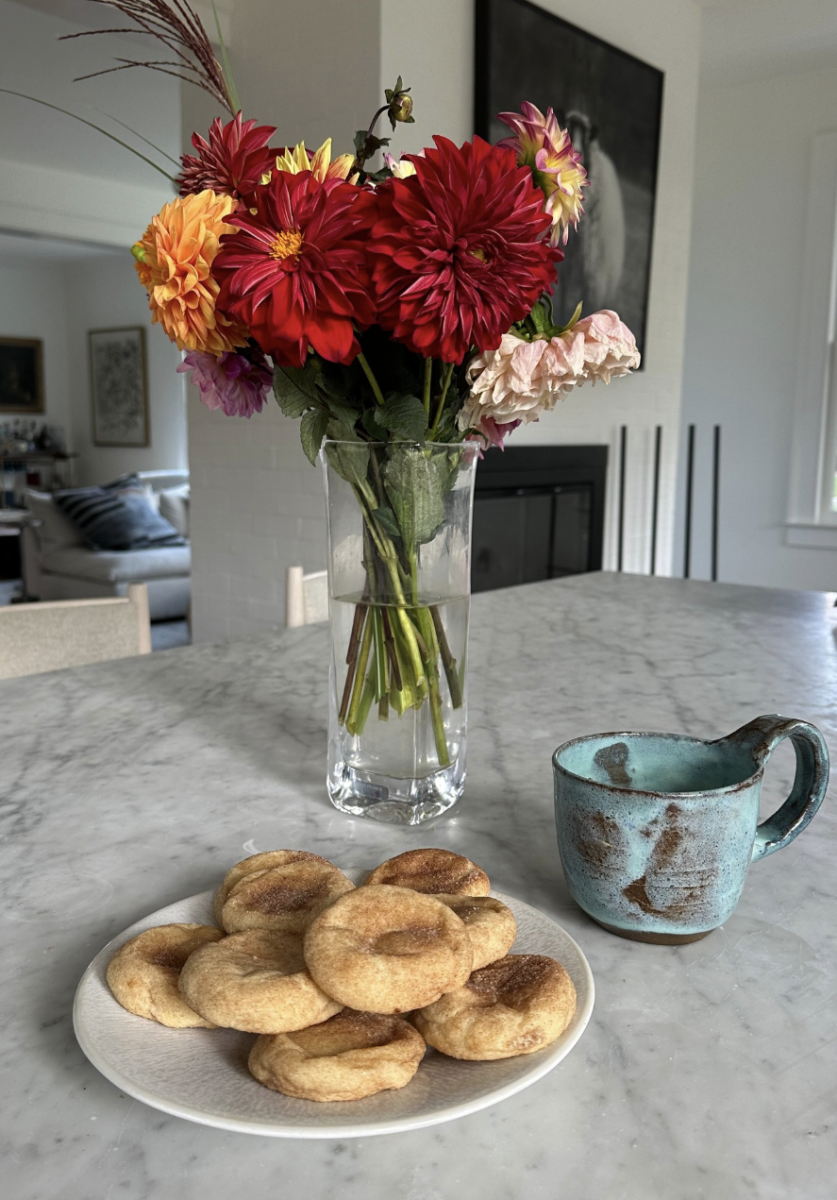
[201, 1074]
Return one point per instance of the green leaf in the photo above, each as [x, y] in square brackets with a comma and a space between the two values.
[415, 487]
[344, 413]
[360, 141]
[572, 321]
[404, 417]
[351, 462]
[370, 423]
[312, 430]
[541, 319]
[294, 389]
[386, 519]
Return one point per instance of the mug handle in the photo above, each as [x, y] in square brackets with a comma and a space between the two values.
[761, 737]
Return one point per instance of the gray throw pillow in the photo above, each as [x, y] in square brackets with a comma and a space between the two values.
[54, 531]
[117, 516]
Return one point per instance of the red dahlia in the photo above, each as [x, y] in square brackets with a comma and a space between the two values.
[458, 253]
[233, 160]
[296, 273]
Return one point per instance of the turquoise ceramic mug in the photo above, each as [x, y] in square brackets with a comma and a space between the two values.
[656, 831]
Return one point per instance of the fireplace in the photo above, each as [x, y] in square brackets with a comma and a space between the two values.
[538, 514]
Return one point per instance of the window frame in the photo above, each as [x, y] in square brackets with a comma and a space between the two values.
[811, 519]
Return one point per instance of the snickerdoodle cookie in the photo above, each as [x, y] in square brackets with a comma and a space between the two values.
[284, 898]
[255, 981]
[490, 923]
[515, 1006]
[433, 871]
[258, 862]
[143, 973]
[387, 949]
[353, 1055]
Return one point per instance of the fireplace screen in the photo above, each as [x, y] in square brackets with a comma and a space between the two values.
[538, 514]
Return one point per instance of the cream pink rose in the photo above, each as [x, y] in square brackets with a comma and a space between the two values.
[609, 347]
[520, 380]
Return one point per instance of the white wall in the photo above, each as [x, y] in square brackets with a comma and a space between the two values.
[751, 190]
[57, 176]
[316, 90]
[104, 293]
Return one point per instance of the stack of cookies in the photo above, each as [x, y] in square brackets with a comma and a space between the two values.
[345, 985]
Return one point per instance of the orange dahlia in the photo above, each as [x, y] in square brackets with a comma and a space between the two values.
[174, 261]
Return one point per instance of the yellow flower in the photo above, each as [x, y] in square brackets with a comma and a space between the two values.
[174, 261]
[298, 159]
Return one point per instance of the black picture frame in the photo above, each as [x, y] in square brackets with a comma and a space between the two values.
[612, 104]
[118, 386]
[21, 376]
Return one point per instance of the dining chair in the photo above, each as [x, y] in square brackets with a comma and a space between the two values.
[70, 633]
[307, 597]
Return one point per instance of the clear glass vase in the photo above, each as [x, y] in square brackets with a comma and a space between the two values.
[399, 530]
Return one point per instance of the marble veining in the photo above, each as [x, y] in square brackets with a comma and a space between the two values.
[708, 1070]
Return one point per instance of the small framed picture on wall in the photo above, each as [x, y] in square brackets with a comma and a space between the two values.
[21, 375]
[118, 386]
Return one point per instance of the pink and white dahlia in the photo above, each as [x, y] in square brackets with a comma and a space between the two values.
[520, 380]
[402, 168]
[237, 383]
[609, 347]
[540, 143]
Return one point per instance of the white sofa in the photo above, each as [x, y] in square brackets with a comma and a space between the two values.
[58, 565]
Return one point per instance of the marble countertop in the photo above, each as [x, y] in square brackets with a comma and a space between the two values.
[708, 1070]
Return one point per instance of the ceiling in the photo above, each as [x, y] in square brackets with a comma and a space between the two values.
[743, 39]
[21, 247]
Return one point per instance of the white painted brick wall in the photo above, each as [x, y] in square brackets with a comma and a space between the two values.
[257, 508]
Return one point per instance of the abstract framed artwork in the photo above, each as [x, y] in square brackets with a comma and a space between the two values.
[611, 103]
[21, 376]
[118, 387]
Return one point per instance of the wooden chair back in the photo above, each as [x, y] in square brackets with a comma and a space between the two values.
[307, 597]
[70, 633]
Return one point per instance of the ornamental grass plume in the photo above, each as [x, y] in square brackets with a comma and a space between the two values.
[174, 260]
[541, 144]
[458, 253]
[295, 268]
[231, 163]
[237, 383]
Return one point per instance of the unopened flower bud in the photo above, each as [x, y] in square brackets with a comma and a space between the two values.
[138, 251]
[401, 108]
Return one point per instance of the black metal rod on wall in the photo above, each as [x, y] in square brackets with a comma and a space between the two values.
[690, 478]
[716, 488]
[623, 459]
[655, 498]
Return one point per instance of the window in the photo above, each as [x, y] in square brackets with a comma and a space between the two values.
[812, 504]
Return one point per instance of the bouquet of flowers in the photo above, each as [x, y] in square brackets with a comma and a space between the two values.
[400, 313]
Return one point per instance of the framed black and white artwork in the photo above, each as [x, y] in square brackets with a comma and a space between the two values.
[118, 386]
[611, 103]
[21, 375]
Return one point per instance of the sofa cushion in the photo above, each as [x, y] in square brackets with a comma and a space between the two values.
[173, 505]
[135, 566]
[117, 516]
[55, 531]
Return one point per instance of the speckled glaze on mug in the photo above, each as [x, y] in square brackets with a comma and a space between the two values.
[656, 831]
